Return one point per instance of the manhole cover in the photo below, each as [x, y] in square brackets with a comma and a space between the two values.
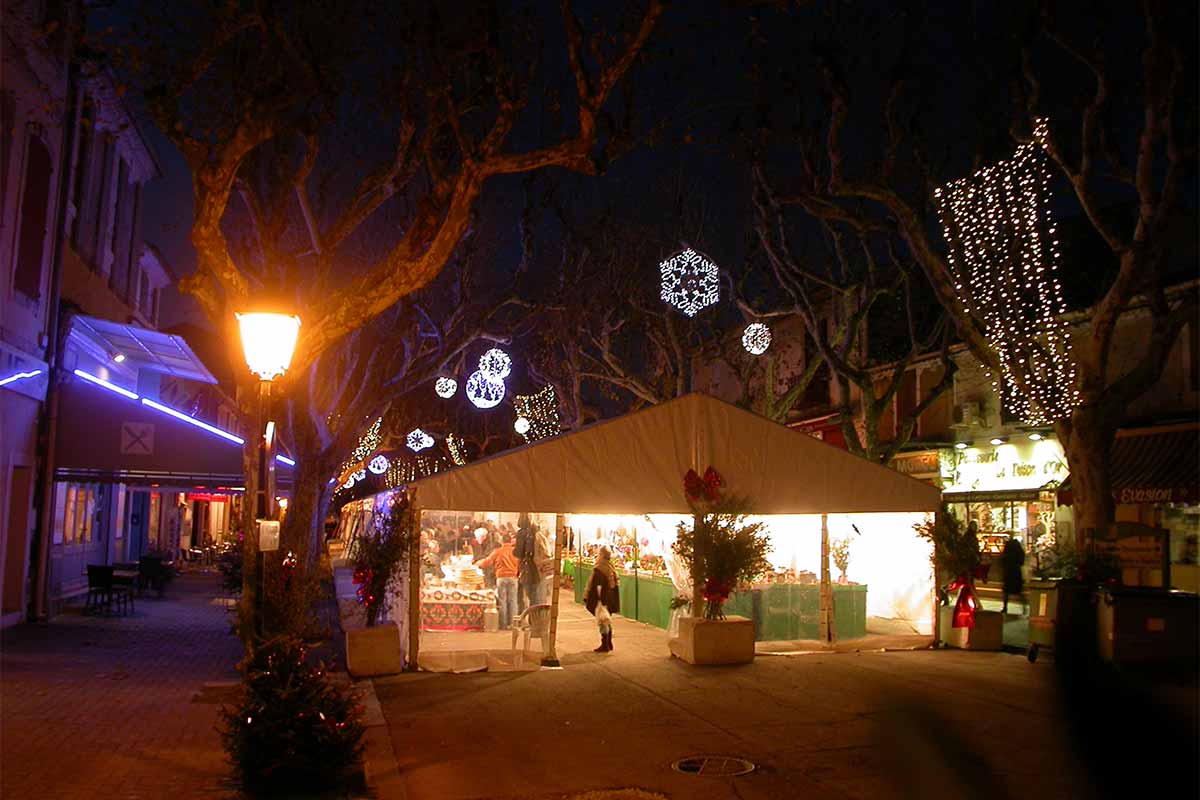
[713, 766]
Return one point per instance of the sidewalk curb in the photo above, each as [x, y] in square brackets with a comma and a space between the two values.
[380, 767]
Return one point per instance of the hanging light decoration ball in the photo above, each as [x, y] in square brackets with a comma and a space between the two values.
[378, 465]
[360, 475]
[756, 338]
[689, 282]
[521, 426]
[418, 440]
[445, 387]
[484, 390]
[495, 363]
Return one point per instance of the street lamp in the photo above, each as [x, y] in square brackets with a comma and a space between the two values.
[268, 341]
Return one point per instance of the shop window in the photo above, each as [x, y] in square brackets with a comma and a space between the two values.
[35, 199]
[155, 508]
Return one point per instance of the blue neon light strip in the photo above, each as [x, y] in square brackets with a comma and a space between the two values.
[112, 387]
[193, 421]
[20, 376]
[285, 460]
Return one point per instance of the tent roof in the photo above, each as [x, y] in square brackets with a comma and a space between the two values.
[635, 465]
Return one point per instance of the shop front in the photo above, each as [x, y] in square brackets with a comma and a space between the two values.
[1156, 482]
[1009, 490]
[619, 484]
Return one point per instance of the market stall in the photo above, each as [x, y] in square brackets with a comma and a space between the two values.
[619, 483]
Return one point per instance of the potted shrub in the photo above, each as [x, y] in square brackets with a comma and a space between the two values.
[956, 560]
[724, 551]
[376, 554]
[840, 552]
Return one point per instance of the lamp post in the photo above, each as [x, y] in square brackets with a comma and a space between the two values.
[268, 341]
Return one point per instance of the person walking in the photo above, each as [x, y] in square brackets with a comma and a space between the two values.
[1012, 559]
[506, 566]
[544, 560]
[603, 598]
[530, 580]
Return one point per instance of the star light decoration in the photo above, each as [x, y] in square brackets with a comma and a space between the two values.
[539, 411]
[689, 282]
[484, 390]
[445, 387]
[756, 338]
[1005, 272]
[378, 465]
[418, 440]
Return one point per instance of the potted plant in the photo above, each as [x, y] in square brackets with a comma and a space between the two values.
[376, 554]
[724, 551]
[840, 551]
[956, 561]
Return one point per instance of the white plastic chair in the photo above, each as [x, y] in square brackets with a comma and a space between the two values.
[534, 624]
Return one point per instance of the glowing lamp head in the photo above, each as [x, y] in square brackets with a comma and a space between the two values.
[997, 441]
[960, 445]
[268, 340]
[118, 357]
[1035, 436]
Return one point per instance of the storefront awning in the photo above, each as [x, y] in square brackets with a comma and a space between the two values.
[1153, 465]
[109, 434]
[635, 464]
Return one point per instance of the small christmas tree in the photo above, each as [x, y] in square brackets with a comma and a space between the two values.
[292, 729]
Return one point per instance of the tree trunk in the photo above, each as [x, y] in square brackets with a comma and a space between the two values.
[1088, 436]
[303, 525]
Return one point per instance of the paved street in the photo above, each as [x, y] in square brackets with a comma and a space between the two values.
[113, 707]
[829, 725]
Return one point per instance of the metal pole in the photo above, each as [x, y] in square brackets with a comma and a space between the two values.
[551, 658]
[264, 393]
[414, 585]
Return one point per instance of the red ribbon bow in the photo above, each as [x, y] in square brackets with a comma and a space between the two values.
[708, 487]
[967, 604]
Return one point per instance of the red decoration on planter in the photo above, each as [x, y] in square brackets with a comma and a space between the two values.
[968, 603]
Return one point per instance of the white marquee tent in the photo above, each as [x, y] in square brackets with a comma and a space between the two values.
[635, 465]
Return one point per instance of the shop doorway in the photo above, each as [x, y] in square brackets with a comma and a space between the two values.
[16, 537]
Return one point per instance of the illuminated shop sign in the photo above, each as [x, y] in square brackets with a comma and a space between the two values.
[1018, 465]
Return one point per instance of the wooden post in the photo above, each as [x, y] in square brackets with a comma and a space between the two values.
[414, 588]
[937, 581]
[551, 658]
[697, 570]
[826, 628]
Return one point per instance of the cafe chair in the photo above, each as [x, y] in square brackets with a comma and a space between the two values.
[100, 587]
[533, 624]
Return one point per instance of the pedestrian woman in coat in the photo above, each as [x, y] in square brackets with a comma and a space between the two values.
[603, 598]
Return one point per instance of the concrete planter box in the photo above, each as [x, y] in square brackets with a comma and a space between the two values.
[988, 633]
[374, 651]
[714, 641]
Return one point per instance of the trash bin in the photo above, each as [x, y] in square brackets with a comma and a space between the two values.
[1148, 626]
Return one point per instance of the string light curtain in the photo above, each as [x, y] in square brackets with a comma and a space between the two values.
[541, 411]
[1004, 255]
[458, 450]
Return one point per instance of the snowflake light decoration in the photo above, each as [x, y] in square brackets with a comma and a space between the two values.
[360, 474]
[689, 282]
[756, 338]
[417, 440]
[378, 465]
[445, 387]
[484, 390]
[540, 414]
[1004, 269]
[495, 363]
[349, 484]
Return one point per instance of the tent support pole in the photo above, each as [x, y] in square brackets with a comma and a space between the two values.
[826, 628]
[551, 658]
[697, 576]
[414, 589]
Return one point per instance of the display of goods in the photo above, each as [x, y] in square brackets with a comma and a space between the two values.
[469, 576]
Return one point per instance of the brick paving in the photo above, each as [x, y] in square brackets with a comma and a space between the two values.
[116, 707]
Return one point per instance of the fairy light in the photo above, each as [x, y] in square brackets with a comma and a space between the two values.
[1005, 271]
[418, 440]
[445, 387]
[404, 471]
[540, 413]
[458, 450]
[368, 444]
[756, 338]
[689, 282]
[495, 363]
